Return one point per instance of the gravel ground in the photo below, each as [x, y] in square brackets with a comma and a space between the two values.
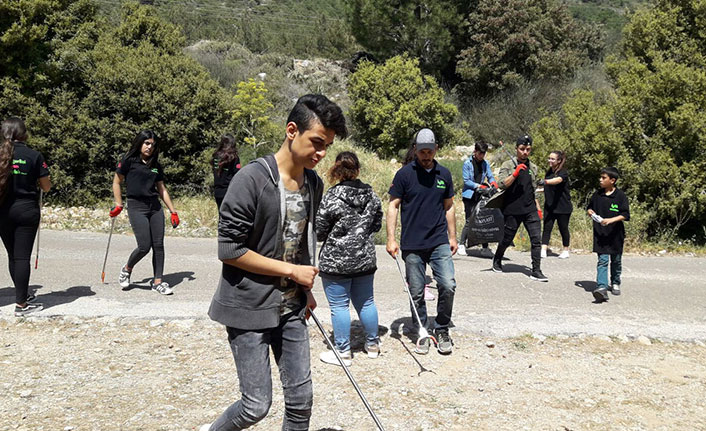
[135, 374]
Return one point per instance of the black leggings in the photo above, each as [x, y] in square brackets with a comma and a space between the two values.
[563, 222]
[147, 221]
[18, 226]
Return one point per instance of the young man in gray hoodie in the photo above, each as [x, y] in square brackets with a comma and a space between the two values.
[266, 241]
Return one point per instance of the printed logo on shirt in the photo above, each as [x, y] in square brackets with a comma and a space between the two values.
[614, 207]
[155, 170]
[16, 166]
[120, 164]
[440, 184]
[44, 165]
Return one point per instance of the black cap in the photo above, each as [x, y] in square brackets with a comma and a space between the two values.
[524, 140]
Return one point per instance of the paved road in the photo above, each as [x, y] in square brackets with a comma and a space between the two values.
[663, 297]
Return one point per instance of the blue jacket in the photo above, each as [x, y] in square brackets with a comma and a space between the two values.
[469, 186]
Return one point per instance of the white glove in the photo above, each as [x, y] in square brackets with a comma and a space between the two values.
[596, 218]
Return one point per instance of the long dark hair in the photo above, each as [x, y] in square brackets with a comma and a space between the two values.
[226, 152]
[347, 167]
[13, 130]
[136, 148]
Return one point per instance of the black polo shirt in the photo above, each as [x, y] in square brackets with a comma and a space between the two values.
[609, 239]
[557, 198]
[140, 179]
[27, 167]
[423, 216]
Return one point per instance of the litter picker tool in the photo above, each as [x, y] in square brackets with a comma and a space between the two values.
[348, 373]
[423, 333]
[105, 259]
[39, 228]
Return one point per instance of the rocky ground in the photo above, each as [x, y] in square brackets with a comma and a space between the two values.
[110, 373]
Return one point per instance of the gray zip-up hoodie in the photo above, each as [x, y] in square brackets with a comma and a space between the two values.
[349, 216]
[251, 218]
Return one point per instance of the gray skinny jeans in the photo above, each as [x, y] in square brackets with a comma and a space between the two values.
[290, 344]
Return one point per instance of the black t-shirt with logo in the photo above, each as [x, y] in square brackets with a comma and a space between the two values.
[557, 198]
[140, 179]
[423, 216]
[27, 167]
[222, 180]
[519, 197]
[609, 239]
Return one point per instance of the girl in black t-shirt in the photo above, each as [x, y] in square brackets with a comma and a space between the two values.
[21, 168]
[226, 164]
[144, 180]
[557, 202]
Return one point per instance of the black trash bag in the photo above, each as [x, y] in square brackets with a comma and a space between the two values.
[486, 224]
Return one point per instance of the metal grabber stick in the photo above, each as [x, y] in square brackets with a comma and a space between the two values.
[423, 333]
[105, 259]
[348, 373]
[39, 228]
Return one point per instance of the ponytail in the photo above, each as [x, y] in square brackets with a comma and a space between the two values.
[13, 130]
[347, 167]
[561, 160]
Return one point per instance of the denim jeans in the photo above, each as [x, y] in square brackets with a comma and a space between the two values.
[290, 345]
[616, 268]
[534, 229]
[358, 290]
[442, 267]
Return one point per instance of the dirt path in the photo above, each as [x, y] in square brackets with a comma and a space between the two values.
[131, 374]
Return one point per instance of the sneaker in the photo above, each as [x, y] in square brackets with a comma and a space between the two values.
[205, 427]
[538, 276]
[28, 309]
[428, 296]
[487, 253]
[543, 255]
[601, 294]
[462, 250]
[616, 289]
[373, 350]
[423, 347]
[330, 358]
[124, 278]
[497, 265]
[163, 288]
[31, 297]
[564, 254]
[445, 344]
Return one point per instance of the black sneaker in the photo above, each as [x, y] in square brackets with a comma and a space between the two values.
[444, 343]
[28, 309]
[538, 276]
[31, 297]
[601, 294]
[497, 266]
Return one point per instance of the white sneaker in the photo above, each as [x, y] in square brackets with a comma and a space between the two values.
[564, 254]
[462, 250]
[373, 350]
[544, 253]
[124, 278]
[163, 288]
[205, 427]
[330, 358]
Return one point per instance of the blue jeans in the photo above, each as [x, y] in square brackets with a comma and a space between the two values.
[290, 345]
[358, 290]
[616, 268]
[442, 267]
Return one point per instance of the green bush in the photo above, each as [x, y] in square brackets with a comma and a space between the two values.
[390, 102]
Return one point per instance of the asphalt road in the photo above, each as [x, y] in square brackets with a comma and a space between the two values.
[663, 297]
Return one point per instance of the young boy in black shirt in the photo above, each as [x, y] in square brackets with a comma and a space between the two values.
[608, 208]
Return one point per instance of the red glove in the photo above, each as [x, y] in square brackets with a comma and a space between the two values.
[494, 184]
[483, 186]
[175, 220]
[539, 212]
[115, 210]
[521, 167]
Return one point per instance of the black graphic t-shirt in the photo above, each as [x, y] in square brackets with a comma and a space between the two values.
[27, 167]
[519, 197]
[609, 239]
[221, 179]
[557, 198]
[140, 179]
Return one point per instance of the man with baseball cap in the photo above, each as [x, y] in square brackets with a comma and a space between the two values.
[424, 191]
[518, 177]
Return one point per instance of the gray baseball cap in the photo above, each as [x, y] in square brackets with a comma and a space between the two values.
[425, 140]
